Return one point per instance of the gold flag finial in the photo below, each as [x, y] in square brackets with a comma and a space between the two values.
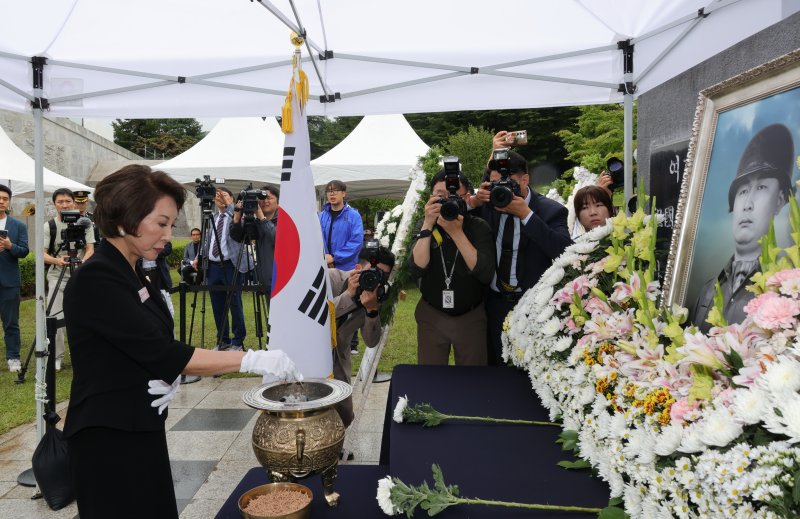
[299, 81]
[296, 40]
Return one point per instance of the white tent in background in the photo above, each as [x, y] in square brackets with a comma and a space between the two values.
[376, 159]
[17, 171]
[238, 149]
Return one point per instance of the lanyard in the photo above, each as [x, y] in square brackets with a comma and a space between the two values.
[448, 277]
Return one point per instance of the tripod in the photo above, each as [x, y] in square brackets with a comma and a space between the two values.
[73, 260]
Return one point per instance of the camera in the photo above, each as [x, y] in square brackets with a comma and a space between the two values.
[502, 192]
[453, 205]
[372, 278]
[189, 275]
[518, 138]
[616, 170]
[250, 198]
[74, 235]
[204, 189]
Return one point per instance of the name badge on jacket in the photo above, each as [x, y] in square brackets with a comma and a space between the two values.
[144, 294]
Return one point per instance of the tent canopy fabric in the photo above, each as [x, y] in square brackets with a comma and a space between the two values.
[375, 159]
[17, 171]
[206, 58]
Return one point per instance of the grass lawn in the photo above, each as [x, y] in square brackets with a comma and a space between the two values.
[18, 406]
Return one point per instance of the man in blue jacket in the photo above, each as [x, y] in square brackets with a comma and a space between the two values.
[13, 246]
[342, 229]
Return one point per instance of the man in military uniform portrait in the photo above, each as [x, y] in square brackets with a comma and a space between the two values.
[759, 191]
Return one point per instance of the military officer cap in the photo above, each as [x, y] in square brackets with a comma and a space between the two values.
[769, 153]
[81, 196]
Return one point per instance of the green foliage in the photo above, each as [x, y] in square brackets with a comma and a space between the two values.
[575, 465]
[612, 512]
[27, 274]
[157, 138]
[568, 440]
[542, 125]
[325, 133]
[598, 137]
[472, 146]
[368, 207]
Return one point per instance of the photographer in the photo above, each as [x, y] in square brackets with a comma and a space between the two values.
[358, 308]
[265, 222]
[453, 261]
[529, 232]
[59, 254]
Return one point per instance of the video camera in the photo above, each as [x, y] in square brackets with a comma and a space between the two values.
[73, 236]
[189, 275]
[616, 170]
[250, 198]
[503, 191]
[453, 205]
[373, 278]
[206, 191]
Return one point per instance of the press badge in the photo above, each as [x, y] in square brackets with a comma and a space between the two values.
[143, 294]
[448, 299]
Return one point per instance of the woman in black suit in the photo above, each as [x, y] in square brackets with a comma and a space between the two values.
[123, 352]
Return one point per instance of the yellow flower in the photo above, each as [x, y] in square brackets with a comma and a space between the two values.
[613, 262]
[642, 243]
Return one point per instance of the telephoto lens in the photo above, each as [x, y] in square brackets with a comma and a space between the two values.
[501, 196]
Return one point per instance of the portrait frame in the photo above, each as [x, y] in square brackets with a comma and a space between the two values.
[753, 96]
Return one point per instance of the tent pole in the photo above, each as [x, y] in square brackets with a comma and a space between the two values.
[628, 147]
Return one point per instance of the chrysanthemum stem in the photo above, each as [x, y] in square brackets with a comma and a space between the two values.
[467, 501]
[501, 420]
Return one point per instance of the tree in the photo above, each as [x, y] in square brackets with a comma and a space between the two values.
[472, 148]
[325, 133]
[157, 138]
[599, 136]
[542, 125]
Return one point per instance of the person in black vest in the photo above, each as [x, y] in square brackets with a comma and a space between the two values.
[453, 261]
[529, 233]
[126, 361]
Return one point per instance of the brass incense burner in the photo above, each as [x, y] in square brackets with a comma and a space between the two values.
[299, 433]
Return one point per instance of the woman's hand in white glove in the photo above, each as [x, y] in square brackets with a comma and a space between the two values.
[168, 392]
[272, 364]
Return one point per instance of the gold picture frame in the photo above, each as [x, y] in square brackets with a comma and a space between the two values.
[728, 115]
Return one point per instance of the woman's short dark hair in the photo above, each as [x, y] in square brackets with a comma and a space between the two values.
[592, 194]
[126, 196]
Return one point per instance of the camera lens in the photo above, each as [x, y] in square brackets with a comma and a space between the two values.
[449, 210]
[369, 280]
[501, 196]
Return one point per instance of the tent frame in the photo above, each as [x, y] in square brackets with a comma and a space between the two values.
[39, 104]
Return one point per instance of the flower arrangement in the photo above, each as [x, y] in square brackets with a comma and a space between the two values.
[386, 230]
[680, 424]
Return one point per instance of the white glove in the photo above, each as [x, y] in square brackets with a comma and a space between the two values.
[168, 392]
[272, 364]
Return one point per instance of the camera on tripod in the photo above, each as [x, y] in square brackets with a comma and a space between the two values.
[73, 236]
[453, 205]
[503, 191]
[372, 278]
[189, 274]
[206, 191]
[250, 198]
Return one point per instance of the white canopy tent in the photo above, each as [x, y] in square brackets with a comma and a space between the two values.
[207, 58]
[376, 159]
[18, 171]
[238, 149]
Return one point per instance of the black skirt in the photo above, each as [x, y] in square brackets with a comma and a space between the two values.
[122, 474]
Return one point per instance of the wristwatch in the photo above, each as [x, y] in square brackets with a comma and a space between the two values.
[373, 313]
[424, 233]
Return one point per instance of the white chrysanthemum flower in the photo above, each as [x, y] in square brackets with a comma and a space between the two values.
[543, 296]
[551, 327]
[384, 496]
[391, 228]
[553, 276]
[584, 247]
[397, 211]
[562, 344]
[385, 241]
[748, 404]
[546, 314]
[402, 403]
[718, 428]
[782, 376]
[783, 416]
[691, 441]
[669, 440]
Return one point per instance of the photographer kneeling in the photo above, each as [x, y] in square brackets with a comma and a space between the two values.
[357, 296]
[453, 261]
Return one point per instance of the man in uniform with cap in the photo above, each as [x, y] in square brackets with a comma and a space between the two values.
[762, 186]
[82, 204]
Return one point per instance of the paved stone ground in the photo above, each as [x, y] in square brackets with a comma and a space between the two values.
[208, 432]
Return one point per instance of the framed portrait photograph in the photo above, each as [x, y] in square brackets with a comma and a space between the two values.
[741, 170]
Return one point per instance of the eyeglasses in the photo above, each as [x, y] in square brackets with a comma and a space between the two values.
[329, 191]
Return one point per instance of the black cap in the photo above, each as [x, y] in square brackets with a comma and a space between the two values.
[81, 196]
[769, 153]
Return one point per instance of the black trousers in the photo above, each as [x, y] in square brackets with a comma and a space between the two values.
[121, 474]
[497, 308]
